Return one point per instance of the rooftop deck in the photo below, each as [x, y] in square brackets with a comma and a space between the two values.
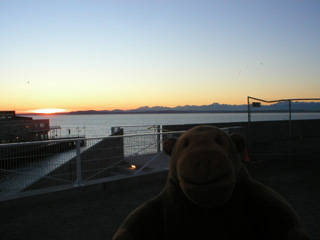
[95, 212]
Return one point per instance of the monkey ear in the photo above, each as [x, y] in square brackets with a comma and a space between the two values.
[168, 145]
[239, 141]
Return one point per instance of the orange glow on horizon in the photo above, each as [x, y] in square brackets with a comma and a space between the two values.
[124, 107]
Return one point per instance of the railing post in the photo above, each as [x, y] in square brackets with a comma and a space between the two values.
[158, 138]
[79, 181]
[249, 126]
[290, 127]
[290, 122]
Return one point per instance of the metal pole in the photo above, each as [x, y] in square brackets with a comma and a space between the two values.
[158, 139]
[290, 126]
[290, 123]
[78, 164]
[249, 124]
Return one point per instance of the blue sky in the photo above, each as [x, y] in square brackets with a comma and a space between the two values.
[125, 54]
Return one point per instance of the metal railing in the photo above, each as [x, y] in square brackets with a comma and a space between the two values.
[39, 167]
[58, 132]
[141, 129]
[285, 126]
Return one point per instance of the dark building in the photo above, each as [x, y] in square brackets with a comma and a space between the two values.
[22, 129]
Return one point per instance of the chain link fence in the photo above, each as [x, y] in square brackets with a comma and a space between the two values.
[286, 126]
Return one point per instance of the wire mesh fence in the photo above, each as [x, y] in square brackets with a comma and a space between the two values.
[37, 167]
[133, 130]
[286, 126]
[148, 144]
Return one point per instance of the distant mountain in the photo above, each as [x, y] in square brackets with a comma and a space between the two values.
[193, 108]
[215, 107]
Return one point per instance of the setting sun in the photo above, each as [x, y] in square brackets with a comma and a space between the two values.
[49, 110]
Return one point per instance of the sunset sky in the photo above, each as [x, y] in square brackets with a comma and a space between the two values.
[104, 55]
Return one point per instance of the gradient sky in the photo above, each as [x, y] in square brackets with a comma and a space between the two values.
[126, 54]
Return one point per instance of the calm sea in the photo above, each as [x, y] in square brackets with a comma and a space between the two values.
[99, 125]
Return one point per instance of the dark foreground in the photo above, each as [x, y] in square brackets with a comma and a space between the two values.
[96, 212]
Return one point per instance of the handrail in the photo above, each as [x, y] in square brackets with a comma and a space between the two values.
[284, 100]
[83, 138]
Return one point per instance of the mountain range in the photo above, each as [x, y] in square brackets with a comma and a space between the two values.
[215, 108]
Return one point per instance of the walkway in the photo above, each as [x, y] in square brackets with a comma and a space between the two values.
[96, 212]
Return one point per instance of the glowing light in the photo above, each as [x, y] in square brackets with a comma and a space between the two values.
[133, 166]
[50, 110]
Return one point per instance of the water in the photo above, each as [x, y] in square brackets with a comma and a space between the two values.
[99, 125]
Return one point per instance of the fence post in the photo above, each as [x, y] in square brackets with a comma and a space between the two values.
[290, 118]
[158, 139]
[249, 125]
[78, 165]
[290, 128]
